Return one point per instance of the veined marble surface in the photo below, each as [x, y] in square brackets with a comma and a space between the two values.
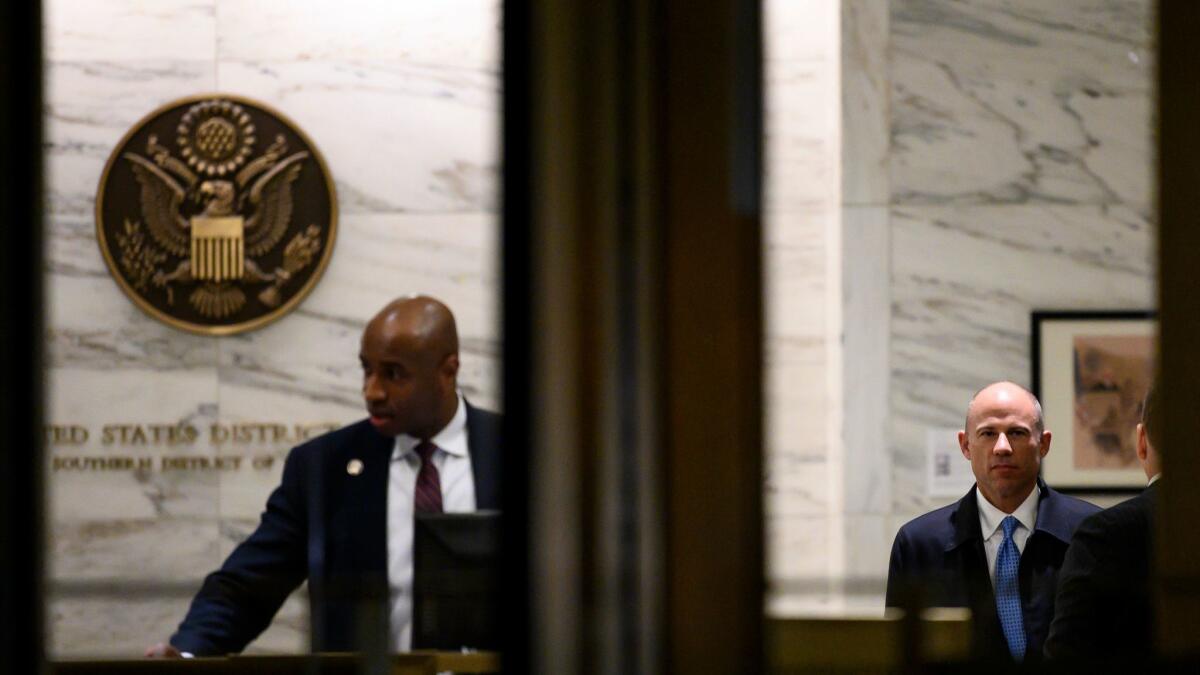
[130, 30]
[865, 304]
[90, 105]
[802, 165]
[801, 144]
[398, 137]
[866, 105]
[1013, 101]
[454, 33]
[85, 625]
[964, 281]
[866, 324]
[458, 34]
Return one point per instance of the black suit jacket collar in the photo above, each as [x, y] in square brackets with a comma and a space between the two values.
[483, 444]
[1049, 518]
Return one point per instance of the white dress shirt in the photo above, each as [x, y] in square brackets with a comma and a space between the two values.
[990, 519]
[453, 463]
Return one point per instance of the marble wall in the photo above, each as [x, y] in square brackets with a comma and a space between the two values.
[998, 159]
[802, 264]
[402, 99]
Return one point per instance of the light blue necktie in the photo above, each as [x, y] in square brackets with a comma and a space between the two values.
[1008, 594]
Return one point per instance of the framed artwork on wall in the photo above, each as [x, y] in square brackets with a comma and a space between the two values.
[1091, 371]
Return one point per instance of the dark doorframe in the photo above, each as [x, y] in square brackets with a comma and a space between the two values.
[21, 226]
[633, 336]
[1178, 546]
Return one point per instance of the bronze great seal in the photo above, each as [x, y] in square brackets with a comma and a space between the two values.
[216, 214]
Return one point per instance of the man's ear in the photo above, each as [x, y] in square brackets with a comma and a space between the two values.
[449, 367]
[962, 444]
[1143, 444]
[1046, 437]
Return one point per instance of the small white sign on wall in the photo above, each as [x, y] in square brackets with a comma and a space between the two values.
[949, 473]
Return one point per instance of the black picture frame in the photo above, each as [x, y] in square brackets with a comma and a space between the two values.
[1057, 379]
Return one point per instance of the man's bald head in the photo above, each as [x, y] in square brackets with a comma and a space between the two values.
[1040, 422]
[1005, 439]
[427, 322]
[409, 357]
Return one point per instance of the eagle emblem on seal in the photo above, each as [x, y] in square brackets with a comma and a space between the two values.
[216, 215]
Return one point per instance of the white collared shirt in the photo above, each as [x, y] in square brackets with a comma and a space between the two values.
[453, 463]
[1155, 478]
[990, 519]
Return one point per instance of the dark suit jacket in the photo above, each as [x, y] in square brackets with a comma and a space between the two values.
[330, 527]
[1103, 607]
[941, 556]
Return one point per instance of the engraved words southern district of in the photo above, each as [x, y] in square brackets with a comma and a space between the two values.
[179, 440]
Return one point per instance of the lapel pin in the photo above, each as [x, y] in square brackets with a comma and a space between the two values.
[354, 467]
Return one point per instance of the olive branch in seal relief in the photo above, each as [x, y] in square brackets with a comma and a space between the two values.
[297, 255]
[139, 260]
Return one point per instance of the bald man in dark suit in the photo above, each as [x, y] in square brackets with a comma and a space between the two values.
[342, 516]
[997, 550]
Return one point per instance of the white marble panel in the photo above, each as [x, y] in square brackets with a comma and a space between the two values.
[800, 196]
[117, 627]
[453, 257]
[798, 548]
[795, 352]
[83, 626]
[800, 31]
[801, 141]
[797, 486]
[458, 35]
[796, 371]
[868, 546]
[866, 110]
[866, 312]
[120, 400]
[90, 105]
[167, 549]
[302, 355]
[1019, 101]
[801, 113]
[91, 324]
[965, 280]
[396, 136]
[130, 30]
[795, 272]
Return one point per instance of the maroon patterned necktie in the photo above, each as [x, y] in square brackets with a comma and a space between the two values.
[428, 498]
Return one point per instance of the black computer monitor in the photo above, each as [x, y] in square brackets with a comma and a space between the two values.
[456, 580]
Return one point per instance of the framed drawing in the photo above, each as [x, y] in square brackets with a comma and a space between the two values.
[1091, 371]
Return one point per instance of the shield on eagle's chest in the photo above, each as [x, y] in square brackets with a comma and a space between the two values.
[217, 248]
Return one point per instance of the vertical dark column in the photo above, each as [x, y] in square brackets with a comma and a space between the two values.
[712, 312]
[21, 615]
[633, 336]
[517, 289]
[1178, 546]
